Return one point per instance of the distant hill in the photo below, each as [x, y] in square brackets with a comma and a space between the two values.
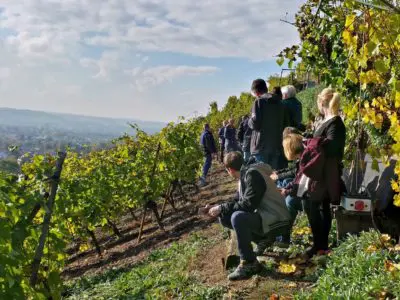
[43, 132]
[73, 123]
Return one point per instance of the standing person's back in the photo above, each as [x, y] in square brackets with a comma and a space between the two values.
[230, 137]
[277, 91]
[244, 137]
[221, 135]
[293, 105]
[268, 120]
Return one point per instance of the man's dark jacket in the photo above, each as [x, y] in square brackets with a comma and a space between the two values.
[230, 138]
[268, 120]
[259, 194]
[254, 186]
[208, 143]
[244, 135]
[295, 109]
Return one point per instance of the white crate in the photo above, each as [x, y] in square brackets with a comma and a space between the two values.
[356, 204]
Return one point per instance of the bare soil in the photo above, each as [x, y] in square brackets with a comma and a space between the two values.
[208, 266]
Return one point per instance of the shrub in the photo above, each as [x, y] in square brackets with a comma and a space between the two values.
[308, 98]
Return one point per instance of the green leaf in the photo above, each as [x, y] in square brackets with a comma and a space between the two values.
[352, 76]
[54, 281]
[280, 61]
[375, 165]
[380, 66]
[371, 46]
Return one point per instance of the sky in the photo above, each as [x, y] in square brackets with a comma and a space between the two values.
[143, 59]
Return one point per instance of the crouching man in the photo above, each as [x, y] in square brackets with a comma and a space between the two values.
[259, 213]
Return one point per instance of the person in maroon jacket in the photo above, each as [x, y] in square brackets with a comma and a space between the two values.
[321, 163]
[333, 130]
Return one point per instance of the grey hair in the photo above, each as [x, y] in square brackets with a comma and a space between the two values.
[289, 91]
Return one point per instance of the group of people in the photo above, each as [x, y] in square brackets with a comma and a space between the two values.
[271, 193]
[274, 111]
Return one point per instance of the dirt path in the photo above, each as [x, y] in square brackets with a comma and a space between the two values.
[269, 284]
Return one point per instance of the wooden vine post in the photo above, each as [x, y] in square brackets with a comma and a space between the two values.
[46, 219]
[168, 197]
[150, 204]
[184, 198]
[95, 242]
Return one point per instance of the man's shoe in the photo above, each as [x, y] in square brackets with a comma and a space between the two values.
[202, 182]
[245, 270]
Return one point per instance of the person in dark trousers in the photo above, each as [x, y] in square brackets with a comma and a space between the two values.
[258, 213]
[325, 154]
[221, 135]
[293, 105]
[231, 143]
[244, 137]
[208, 143]
[333, 130]
[284, 177]
[240, 131]
[268, 119]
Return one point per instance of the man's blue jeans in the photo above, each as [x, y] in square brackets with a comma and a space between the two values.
[293, 204]
[207, 165]
[248, 228]
[283, 183]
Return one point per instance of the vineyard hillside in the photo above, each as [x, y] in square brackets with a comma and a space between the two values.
[189, 254]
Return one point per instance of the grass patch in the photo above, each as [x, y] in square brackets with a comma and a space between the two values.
[163, 275]
[360, 268]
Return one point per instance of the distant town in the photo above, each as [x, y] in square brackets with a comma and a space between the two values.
[35, 132]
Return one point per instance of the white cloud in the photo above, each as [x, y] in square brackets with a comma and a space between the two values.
[218, 28]
[104, 65]
[95, 50]
[4, 73]
[145, 78]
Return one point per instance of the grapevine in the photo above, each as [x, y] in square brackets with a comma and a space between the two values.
[134, 172]
[355, 48]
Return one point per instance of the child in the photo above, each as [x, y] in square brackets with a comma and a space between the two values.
[284, 176]
[293, 148]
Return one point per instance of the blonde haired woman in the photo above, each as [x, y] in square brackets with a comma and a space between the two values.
[333, 130]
